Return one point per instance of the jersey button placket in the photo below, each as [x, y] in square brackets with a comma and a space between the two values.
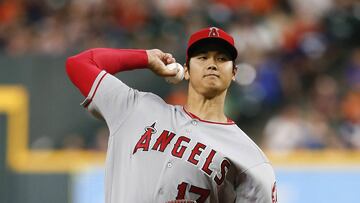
[169, 164]
[161, 191]
[194, 122]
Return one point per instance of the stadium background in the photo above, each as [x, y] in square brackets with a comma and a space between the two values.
[297, 93]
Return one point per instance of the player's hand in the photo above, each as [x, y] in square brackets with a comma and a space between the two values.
[157, 61]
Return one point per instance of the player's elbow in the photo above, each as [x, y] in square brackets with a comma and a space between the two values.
[81, 71]
[70, 66]
[76, 62]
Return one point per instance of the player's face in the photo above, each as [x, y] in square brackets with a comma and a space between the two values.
[211, 71]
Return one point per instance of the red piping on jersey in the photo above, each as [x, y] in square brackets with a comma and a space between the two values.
[92, 96]
[229, 121]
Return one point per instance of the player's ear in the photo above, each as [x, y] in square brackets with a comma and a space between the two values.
[235, 68]
[186, 72]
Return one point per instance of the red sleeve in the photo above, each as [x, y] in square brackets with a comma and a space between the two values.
[83, 68]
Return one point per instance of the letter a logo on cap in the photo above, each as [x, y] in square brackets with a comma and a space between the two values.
[214, 32]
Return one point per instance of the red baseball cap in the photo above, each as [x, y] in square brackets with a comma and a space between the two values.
[211, 34]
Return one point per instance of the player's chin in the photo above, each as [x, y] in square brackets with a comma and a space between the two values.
[215, 85]
[212, 90]
[212, 82]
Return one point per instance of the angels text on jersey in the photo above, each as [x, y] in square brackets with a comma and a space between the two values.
[184, 148]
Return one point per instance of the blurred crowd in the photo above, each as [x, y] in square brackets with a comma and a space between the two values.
[298, 66]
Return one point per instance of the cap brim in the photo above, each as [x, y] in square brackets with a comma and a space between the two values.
[212, 40]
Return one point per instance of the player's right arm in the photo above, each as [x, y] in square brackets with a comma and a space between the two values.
[91, 72]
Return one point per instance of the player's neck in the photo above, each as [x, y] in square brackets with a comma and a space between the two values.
[210, 109]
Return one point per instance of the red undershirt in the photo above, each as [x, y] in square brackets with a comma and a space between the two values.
[83, 68]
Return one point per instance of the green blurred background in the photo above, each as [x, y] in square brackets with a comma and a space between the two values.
[297, 92]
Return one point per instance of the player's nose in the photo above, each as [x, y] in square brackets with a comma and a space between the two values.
[212, 63]
[212, 66]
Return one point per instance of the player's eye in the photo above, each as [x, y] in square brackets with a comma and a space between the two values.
[202, 57]
[223, 58]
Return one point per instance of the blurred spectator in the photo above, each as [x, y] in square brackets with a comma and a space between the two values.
[350, 129]
[268, 77]
[130, 15]
[342, 23]
[324, 97]
[44, 142]
[255, 6]
[73, 141]
[351, 107]
[352, 70]
[286, 131]
[10, 11]
[293, 129]
[319, 133]
[177, 96]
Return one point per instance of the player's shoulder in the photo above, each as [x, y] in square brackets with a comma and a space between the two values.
[250, 148]
[152, 101]
[152, 97]
[240, 134]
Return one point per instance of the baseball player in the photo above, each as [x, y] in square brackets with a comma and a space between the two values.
[163, 153]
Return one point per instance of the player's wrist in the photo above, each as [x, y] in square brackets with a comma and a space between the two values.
[153, 58]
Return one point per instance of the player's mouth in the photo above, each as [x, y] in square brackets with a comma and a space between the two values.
[212, 75]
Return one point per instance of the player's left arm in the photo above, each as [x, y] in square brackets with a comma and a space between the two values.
[258, 185]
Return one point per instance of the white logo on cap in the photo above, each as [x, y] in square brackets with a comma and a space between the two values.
[214, 32]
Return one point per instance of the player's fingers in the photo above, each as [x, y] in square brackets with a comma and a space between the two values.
[168, 58]
[169, 72]
[158, 61]
[161, 69]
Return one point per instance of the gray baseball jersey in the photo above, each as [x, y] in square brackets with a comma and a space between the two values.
[159, 152]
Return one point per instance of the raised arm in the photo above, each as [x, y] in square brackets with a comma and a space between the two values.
[83, 68]
[106, 96]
